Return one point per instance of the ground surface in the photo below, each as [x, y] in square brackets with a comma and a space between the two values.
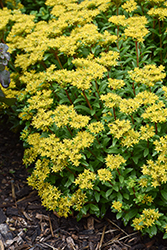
[25, 224]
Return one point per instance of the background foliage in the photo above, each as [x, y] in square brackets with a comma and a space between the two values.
[90, 83]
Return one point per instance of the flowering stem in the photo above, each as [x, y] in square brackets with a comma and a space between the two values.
[114, 113]
[136, 44]
[118, 171]
[57, 58]
[133, 86]
[117, 37]
[132, 119]
[97, 89]
[147, 143]
[68, 96]
[70, 171]
[69, 130]
[1, 4]
[92, 153]
[134, 192]
[88, 103]
[156, 129]
[159, 24]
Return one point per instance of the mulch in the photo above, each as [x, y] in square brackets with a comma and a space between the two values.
[26, 224]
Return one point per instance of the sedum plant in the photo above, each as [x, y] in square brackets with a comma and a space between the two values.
[91, 89]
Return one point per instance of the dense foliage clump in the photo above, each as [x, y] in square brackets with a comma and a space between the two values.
[90, 83]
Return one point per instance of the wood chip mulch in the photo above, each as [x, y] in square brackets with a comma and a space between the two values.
[26, 224]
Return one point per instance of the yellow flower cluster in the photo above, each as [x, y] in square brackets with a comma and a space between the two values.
[108, 59]
[161, 13]
[147, 219]
[34, 82]
[117, 205]
[64, 205]
[146, 98]
[161, 148]
[129, 6]
[157, 170]
[130, 138]
[104, 174]
[95, 127]
[143, 182]
[115, 83]
[40, 100]
[49, 195]
[111, 100]
[118, 20]
[85, 180]
[66, 115]
[42, 169]
[148, 75]
[58, 151]
[122, 129]
[119, 128]
[114, 161]
[136, 28]
[146, 132]
[43, 119]
[78, 199]
[156, 112]
[147, 199]
[129, 106]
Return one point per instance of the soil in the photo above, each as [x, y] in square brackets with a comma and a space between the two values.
[26, 224]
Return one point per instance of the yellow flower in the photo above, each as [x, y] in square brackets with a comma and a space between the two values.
[104, 174]
[117, 205]
[114, 161]
[129, 6]
[115, 83]
[85, 180]
[95, 127]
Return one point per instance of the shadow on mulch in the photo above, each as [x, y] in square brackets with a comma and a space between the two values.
[25, 223]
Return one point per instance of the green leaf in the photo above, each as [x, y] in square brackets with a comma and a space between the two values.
[152, 231]
[83, 108]
[164, 194]
[118, 215]
[126, 196]
[94, 207]
[135, 159]
[165, 236]
[71, 177]
[109, 191]
[103, 210]
[97, 196]
[121, 178]
[132, 213]
[146, 152]
[116, 188]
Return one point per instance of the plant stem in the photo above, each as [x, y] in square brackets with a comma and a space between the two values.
[156, 129]
[134, 192]
[68, 96]
[114, 113]
[132, 120]
[137, 54]
[118, 171]
[97, 89]
[89, 103]
[69, 130]
[70, 171]
[57, 58]
[1, 4]
[133, 86]
[91, 152]
[159, 24]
